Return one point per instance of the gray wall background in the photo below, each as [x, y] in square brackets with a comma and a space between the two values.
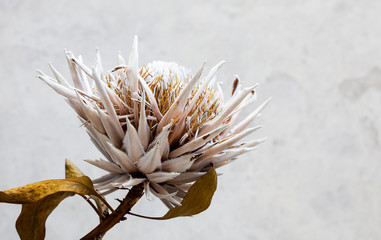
[317, 177]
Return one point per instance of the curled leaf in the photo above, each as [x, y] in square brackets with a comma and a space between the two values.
[72, 171]
[36, 191]
[198, 198]
[40, 199]
[31, 222]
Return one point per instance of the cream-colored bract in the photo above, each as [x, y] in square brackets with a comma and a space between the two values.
[157, 124]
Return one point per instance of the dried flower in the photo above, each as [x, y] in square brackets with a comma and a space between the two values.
[157, 124]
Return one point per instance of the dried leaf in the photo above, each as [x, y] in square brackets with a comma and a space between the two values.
[72, 171]
[30, 224]
[40, 199]
[197, 199]
[37, 191]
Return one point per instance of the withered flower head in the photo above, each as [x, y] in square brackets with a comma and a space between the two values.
[158, 124]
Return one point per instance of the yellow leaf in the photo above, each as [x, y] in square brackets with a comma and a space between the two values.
[36, 191]
[40, 199]
[198, 198]
[31, 222]
[72, 171]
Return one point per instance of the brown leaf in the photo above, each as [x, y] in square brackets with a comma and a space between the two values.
[40, 199]
[198, 198]
[37, 191]
[31, 222]
[72, 171]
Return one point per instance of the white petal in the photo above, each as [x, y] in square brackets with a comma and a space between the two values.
[179, 128]
[107, 166]
[132, 144]
[228, 110]
[132, 68]
[151, 98]
[159, 177]
[122, 158]
[219, 158]
[108, 126]
[91, 114]
[225, 144]
[84, 68]
[59, 77]
[144, 130]
[78, 83]
[151, 160]
[107, 102]
[178, 105]
[147, 190]
[161, 193]
[64, 91]
[121, 60]
[186, 177]
[254, 143]
[242, 125]
[104, 178]
[196, 143]
[162, 139]
[132, 182]
[179, 164]
[83, 75]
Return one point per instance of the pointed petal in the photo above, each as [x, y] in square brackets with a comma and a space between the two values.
[144, 130]
[104, 178]
[151, 160]
[186, 177]
[91, 114]
[178, 105]
[162, 139]
[82, 66]
[161, 193]
[254, 143]
[132, 68]
[107, 102]
[121, 60]
[196, 143]
[151, 98]
[159, 177]
[235, 85]
[132, 182]
[147, 191]
[179, 128]
[60, 89]
[59, 77]
[228, 110]
[107, 166]
[121, 158]
[78, 83]
[83, 75]
[225, 144]
[108, 126]
[242, 125]
[179, 164]
[132, 144]
[219, 158]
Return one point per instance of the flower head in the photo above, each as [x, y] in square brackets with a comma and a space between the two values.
[158, 124]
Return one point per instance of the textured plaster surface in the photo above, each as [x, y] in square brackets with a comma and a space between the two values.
[317, 177]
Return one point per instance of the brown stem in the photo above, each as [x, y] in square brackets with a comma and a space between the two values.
[128, 202]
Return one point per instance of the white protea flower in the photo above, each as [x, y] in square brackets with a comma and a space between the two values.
[158, 124]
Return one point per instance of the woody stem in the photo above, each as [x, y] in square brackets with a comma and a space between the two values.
[111, 220]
